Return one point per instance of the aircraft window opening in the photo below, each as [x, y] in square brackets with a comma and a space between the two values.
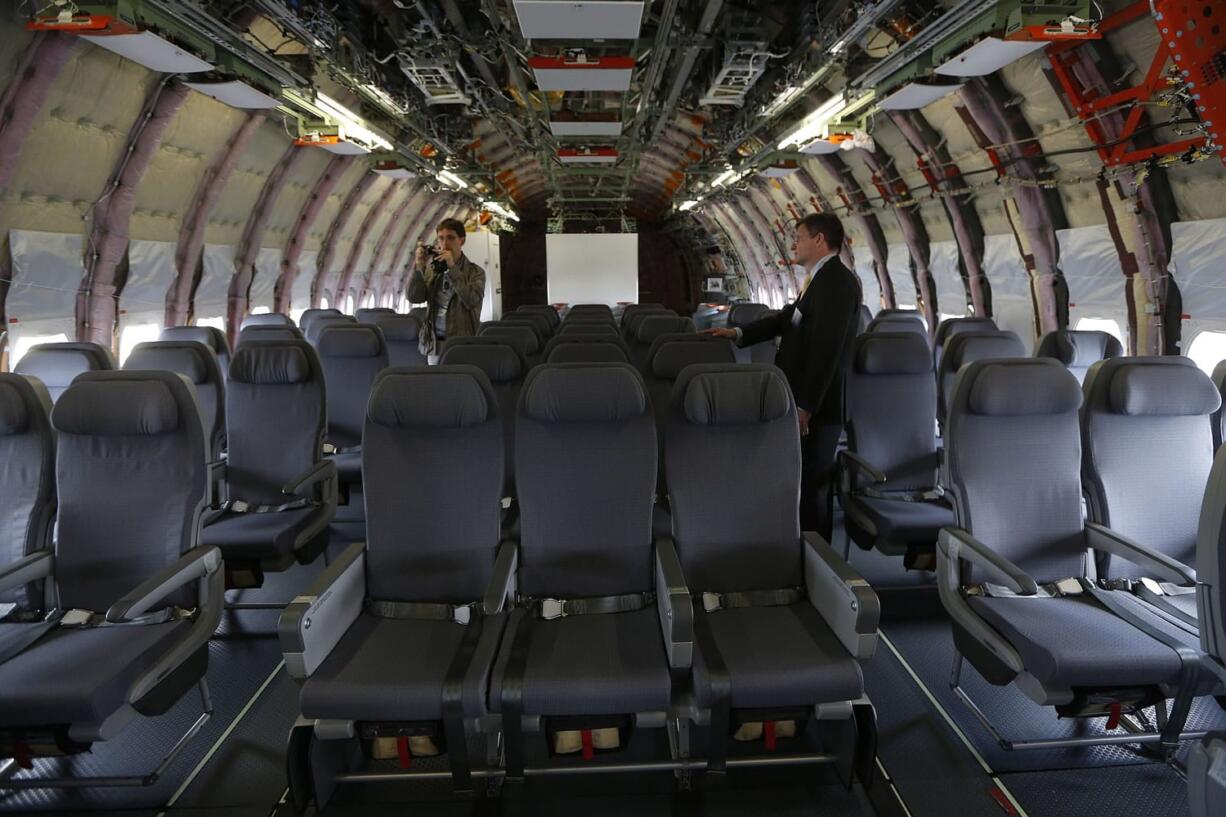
[134, 334]
[324, 303]
[348, 307]
[23, 344]
[944, 316]
[295, 315]
[261, 310]
[1111, 327]
[1207, 349]
[217, 322]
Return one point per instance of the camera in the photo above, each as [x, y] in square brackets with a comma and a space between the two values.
[437, 264]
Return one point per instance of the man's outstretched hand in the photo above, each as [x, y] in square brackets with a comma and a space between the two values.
[719, 333]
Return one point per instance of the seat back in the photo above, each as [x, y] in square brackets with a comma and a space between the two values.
[269, 332]
[631, 321]
[309, 316]
[431, 533]
[1211, 562]
[585, 470]
[351, 356]
[632, 309]
[400, 333]
[524, 337]
[505, 368]
[1147, 448]
[866, 317]
[1013, 464]
[27, 478]
[368, 314]
[539, 323]
[267, 319]
[966, 348]
[1219, 382]
[599, 310]
[651, 327]
[891, 408]
[276, 414]
[597, 327]
[743, 314]
[898, 322]
[198, 364]
[742, 413]
[950, 327]
[1079, 349]
[58, 364]
[585, 348]
[317, 326]
[210, 336]
[130, 476]
[548, 311]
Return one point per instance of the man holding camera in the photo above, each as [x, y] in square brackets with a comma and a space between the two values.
[451, 286]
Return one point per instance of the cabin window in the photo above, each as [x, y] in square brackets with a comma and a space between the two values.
[1207, 350]
[1111, 327]
[23, 344]
[348, 307]
[295, 315]
[217, 322]
[261, 310]
[324, 302]
[134, 334]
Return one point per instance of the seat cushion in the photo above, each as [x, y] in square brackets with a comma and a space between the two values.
[778, 656]
[1073, 641]
[265, 537]
[79, 676]
[899, 521]
[387, 669]
[591, 665]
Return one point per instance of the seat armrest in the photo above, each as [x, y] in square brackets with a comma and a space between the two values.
[949, 585]
[312, 624]
[202, 565]
[322, 473]
[198, 563]
[217, 472]
[502, 583]
[956, 543]
[31, 568]
[1103, 539]
[673, 604]
[843, 597]
[860, 471]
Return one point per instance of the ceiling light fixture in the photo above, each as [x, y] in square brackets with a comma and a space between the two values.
[447, 177]
[813, 125]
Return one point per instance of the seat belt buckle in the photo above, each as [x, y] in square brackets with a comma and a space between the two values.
[239, 506]
[462, 614]
[76, 618]
[1068, 587]
[1152, 586]
[712, 602]
[553, 608]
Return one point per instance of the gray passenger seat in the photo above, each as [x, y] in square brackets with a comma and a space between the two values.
[586, 347]
[888, 473]
[1079, 349]
[951, 327]
[1207, 760]
[316, 327]
[27, 489]
[651, 327]
[968, 347]
[266, 319]
[199, 365]
[125, 440]
[269, 331]
[210, 336]
[525, 337]
[397, 636]
[57, 365]
[743, 314]
[280, 493]
[402, 335]
[781, 621]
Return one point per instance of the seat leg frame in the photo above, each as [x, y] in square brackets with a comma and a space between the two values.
[1135, 733]
[8, 769]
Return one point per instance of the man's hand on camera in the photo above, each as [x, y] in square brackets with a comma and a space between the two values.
[446, 257]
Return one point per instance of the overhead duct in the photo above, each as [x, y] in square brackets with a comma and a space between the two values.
[585, 127]
[572, 156]
[584, 20]
[235, 93]
[153, 52]
[916, 95]
[987, 56]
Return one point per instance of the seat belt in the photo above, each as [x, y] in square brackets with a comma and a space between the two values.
[16, 640]
[511, 696]
[712, 602]
[931, 495]
[1156, 593]
[1189, 669]
[425, 611]
[239, 506]
[1052, 590]
[453, 701]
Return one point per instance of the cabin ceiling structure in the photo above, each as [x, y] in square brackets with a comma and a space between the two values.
[949, 134]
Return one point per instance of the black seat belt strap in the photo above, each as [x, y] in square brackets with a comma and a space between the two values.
[512, 697]
[720, 688]
[453, 704]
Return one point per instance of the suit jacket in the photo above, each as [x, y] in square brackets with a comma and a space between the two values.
[816, 334]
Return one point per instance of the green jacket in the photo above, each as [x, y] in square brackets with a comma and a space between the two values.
[464, 309]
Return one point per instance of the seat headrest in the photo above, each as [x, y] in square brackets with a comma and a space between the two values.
[956, 326]
[1015, 388]
[350, 340]
[116, 407]
[497, 357]
[269, 332]
[584, 392]
[368, 314]
[267, 362]
[967, 347]
[892, 353]
[526, 335]
[164, 356]
[266, 319]
[673, 352]
[587, 351]
[398, 328]
[210, 336]
[437, 397]
[56, 364]
[897, 322]
[652, 326]
[14, 418]
[1083, 349]
[736, 394]
[1169, 387]
[739, 314]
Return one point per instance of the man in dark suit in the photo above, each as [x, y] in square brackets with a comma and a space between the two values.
[816, 334]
